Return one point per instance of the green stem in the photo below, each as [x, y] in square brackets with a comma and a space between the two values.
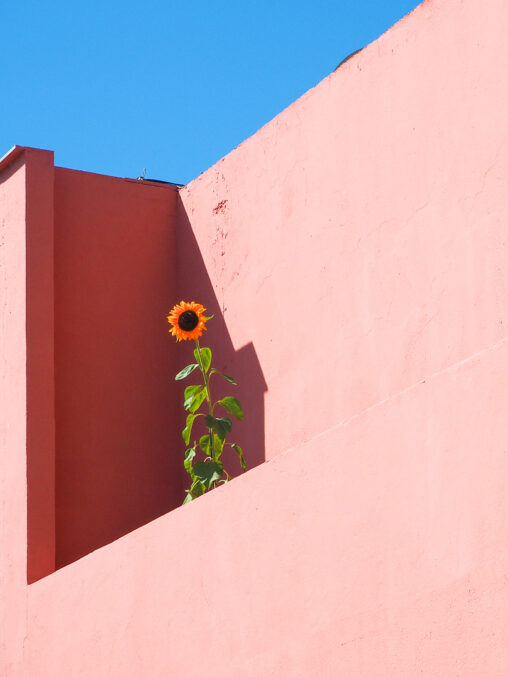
[208, 397]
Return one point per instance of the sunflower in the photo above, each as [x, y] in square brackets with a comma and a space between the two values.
[187, 320]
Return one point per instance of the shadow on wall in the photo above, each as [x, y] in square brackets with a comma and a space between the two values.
[194, 284]
[124, 254]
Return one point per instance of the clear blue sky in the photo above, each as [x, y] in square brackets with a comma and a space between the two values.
[115, 87]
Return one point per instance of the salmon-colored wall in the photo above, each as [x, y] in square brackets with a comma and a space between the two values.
[358, 240]
[394, 567]
[26, 346]
[13, 423]
[355, 250]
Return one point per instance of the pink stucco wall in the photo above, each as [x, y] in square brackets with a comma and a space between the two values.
[393, 563]
[355, 251]
[13, 426]
[361, 235]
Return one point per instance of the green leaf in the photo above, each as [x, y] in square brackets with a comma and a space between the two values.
[193, 398]
[222, 426]
[188, 498]
[210, 317]
[224, 422]
[239, 451]
[198, 401]
[218, 444]
[189, 395]
[186, 432]
[197, 488]
[206, 357]
[204, 443]
[232, 405]
[208, 472]
[189, 456]
[228, 378]
[186, 371]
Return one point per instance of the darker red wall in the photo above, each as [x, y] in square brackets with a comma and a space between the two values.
[117, 465]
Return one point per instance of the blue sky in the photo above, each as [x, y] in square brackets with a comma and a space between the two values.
[116, 87]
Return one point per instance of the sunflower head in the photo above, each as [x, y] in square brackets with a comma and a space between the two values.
[187, 320]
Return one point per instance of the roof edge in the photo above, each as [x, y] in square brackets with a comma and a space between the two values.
[10, 156]
[16, 151]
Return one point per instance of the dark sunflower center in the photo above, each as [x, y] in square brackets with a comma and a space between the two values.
[188, 320]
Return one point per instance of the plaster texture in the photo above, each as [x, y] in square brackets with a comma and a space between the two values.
[354, 251]
[361, 235]
[13, 427]
[396, 565]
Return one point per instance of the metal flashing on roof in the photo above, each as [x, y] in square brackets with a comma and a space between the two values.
[10, 156]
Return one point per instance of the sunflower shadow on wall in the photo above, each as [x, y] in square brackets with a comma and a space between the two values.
[194, 282]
